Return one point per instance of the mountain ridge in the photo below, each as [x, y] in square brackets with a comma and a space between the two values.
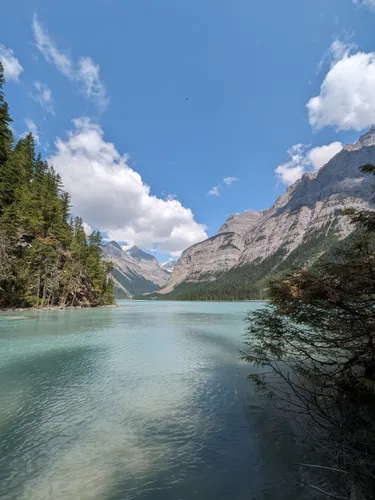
[314, 203]
[134, 271]
[138, 254]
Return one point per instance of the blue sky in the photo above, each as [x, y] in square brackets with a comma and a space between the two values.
[169, 98]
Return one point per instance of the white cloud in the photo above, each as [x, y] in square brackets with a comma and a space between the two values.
[85, 71]
[230, 180]
[49, 50]
[367, 3]
[126, 247]
[214, 191]
[111, 196]
[171, 197]
[320, 155]
[88, 74]
[176, 255]
[304, 160]
[337, 51]
[12, 66]
[31, 127]
[44, 96]
[87, 228]
[347, 99]
[340, 49]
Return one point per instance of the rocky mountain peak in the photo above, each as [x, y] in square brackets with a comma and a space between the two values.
[367, 139]
[240, 223]
[138, 254]
[114, 243]
[113, 249]
[134, 272]
[309, 208]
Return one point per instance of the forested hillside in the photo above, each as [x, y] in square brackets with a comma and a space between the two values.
[304, 222]
[45, 257]
[250, 282]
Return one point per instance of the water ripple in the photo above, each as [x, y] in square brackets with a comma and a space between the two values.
[147, 401]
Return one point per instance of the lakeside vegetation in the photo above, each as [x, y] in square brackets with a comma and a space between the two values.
[250, 282]
[317, 337]
[45, 257]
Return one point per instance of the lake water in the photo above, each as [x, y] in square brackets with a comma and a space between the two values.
[145, 401]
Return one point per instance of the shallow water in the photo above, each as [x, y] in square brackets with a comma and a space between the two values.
[145, 401]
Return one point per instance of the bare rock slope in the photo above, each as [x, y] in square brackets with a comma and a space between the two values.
[134, 272]
[310, 206]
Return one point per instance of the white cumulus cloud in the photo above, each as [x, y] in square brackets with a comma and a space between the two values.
[320, 155]
[12, 66]
[302, 160]
[347, 98]
[85, 71]
[367, 3]
[111, 196]
[44, 96]
[31, 127]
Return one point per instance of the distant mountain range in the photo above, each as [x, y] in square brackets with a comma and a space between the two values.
[169, 266]
[135, 272]
[303, 223]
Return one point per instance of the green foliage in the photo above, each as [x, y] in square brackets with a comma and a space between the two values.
[250, 282]
[314, 346]
[45, 257]
[6, 136]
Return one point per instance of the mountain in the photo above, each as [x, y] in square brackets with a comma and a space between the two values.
[137, 254]
[134, 272]
[169, 266]
[303, 223]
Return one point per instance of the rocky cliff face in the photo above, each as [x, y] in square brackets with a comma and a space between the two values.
[148, 266]
[241, 223]
[135, 272]
[312, 205]
[205, 261]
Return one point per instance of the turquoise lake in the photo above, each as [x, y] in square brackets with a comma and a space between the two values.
[145, 401]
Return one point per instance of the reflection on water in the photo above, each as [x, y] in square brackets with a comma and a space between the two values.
[146, 401]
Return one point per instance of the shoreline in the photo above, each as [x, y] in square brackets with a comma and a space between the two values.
[212, 300]
[56, 308]
[201, 301]
[110, 306]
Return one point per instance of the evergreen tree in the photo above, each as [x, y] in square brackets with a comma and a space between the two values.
[45, 258]
[78, 246]
[24, 152]
[6, 136]
[318, 337]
